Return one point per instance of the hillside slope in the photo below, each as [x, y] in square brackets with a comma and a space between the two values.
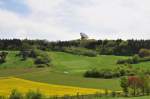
[67, 69]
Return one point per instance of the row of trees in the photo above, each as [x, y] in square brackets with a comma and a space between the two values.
[17, 44]
[136, 85]
[15, 94]
[126, 70]
[142, 56]
[108, 73]
[80, 51]
[115, 47]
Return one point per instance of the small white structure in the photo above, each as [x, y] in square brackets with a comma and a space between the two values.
[83, 36]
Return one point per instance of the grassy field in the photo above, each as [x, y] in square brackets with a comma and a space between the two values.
[52, 77]
[18, 71]
[13, 61]
[67, 69]
[75, 64]
[23, 86]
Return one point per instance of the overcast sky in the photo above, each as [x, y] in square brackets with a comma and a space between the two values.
[65, 19]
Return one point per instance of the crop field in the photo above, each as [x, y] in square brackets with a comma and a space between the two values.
[66, 71]
[74, 49]
[74, 65]
[10, 83]
[52, 77]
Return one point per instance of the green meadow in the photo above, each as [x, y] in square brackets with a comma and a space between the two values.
[66, 69]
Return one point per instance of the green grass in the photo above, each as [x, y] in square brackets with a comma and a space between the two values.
[75, 64]
[17, 71]
[49, 76]
[15, 61]
[142, 65]
[67, 69]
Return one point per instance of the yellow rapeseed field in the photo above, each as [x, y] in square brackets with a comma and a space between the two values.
[10, 83]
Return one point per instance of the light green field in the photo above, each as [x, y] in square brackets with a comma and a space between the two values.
[49, 76]
[13, 61]
[75, 64]
[67, 69]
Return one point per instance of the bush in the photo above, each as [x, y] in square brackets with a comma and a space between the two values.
[15, 95]
[112, 73]
[2, 97]
[3, 57]
[124, 85]
[144, 53]
[89, 53]
[108, 75]
[135, 85]
[80, 51]
[134, 60]
[104, 73]
[143, 56]
[41, 65]
[125, 61]
[33, 95]
[93, 73]
[24, 54]
[144, 59]
[121, 61]
[41, 58]
[44, 59]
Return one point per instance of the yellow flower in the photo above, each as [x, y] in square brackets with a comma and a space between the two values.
[10, 83]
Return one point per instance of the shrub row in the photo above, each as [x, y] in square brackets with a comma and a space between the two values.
[80, 51]
[143, 56]
[15, 94]
[134, 60]
[41, 58]
[144, 52]
[110, 73]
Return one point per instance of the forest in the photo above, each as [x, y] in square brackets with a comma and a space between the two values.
[103, 47]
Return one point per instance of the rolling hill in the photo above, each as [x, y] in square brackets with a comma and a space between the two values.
[67, 69]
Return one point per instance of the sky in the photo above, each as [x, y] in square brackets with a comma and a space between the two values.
[64, 19]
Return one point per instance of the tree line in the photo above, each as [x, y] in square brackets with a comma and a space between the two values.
[105, 47]
[142, 56]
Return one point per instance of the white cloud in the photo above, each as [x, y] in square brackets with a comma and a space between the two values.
[65, 19]
[40, 23]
